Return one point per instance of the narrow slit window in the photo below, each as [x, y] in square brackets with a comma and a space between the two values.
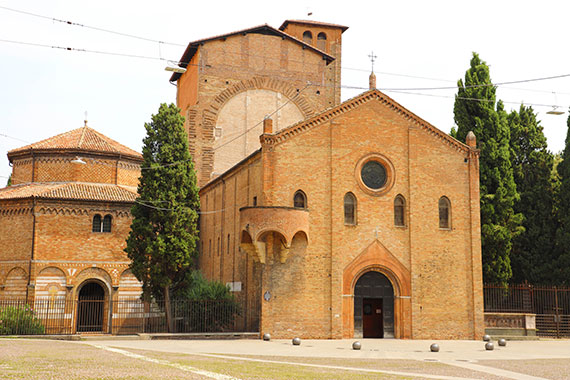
[322, 41]
[399, 211]
[349, 209]
[107, 223]
[444, 213]
[300, 199]
[96, 223]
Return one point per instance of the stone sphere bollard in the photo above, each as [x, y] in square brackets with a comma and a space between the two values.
[434, 347]
[489, 346]
[502, 342]
[296, 341]
[486, 338]
[356, 345]
[266, 337]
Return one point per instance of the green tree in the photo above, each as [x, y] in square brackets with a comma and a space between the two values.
[474, 110]
[560, 270]
[9, 181]
[164, 232]
[532, 163]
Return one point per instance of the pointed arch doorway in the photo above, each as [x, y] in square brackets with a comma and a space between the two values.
[374, 306]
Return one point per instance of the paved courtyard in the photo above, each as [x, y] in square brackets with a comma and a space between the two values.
[279, 359]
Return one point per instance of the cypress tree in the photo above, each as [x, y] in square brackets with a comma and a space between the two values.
[560, 267]
[474, 110]
[532, 164]
[164, 232]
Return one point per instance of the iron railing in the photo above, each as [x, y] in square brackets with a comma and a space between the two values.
[124, 316]
[550, 304]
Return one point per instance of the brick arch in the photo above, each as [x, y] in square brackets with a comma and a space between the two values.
[257, 83]
[15, 283]
[50, 282]
[378, 258]
[93, 274]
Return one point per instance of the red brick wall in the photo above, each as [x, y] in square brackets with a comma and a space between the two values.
[220, 204]
[59, 168]
[253, 61]
[442, 266]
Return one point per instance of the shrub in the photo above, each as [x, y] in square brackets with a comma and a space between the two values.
[20, 320]
[206, 305]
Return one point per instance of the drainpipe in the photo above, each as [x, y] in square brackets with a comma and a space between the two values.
[33, 248]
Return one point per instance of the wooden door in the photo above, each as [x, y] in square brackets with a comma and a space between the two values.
[372, 318]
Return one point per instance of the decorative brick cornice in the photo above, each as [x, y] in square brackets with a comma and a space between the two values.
[71, 210]
[24, 161]
[372, 95]
[19, 210]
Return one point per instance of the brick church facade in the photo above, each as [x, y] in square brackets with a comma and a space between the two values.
[64, 221]
[337, 220]
[333, 219]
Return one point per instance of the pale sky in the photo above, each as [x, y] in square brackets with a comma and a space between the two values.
[419, 44]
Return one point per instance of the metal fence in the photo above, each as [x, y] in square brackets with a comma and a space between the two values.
[124, 316]
[550, 304]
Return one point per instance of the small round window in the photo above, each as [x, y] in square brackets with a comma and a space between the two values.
[373, 174]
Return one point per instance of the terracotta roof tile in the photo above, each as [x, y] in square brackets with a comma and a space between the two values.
[84, 138]
[72, 191]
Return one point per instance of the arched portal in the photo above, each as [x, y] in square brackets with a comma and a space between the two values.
[91, 307]
[374, 306]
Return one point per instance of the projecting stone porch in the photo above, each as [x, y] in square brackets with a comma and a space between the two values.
[264, 227]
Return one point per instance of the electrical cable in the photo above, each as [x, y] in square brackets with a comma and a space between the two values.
[85, 50]
[251, 55]
[90, 27]
[502, 84]
[14, 138]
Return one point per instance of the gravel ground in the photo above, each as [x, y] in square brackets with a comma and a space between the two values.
[556, 369]
[52, 360]
[256, 370]
[401, 365]
[260, 370]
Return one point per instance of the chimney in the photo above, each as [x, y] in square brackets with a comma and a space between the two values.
[267, 126]
[471, 140]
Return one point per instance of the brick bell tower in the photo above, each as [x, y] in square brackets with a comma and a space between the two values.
[233, 81]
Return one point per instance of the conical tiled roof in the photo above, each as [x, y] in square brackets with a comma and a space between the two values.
[81, 139]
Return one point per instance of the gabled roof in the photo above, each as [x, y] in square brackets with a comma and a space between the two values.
[261, 29]
[312, 23]
[350, 104]
[71, 191]
[83, 139]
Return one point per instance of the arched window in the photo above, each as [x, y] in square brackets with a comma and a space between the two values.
[96, 223]
[308, 37]
[349, 209]
[300, 199]
[322, 41]
[444, 213]
[106, 224]
[399, 211]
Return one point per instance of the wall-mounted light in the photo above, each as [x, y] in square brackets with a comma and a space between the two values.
[78, 160]
[175, 67]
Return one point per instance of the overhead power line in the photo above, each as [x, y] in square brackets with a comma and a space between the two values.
[341, 86]
[84, 50]
[90, 27]
[129, 35]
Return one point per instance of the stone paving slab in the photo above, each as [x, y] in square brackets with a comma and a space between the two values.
[463, 350]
